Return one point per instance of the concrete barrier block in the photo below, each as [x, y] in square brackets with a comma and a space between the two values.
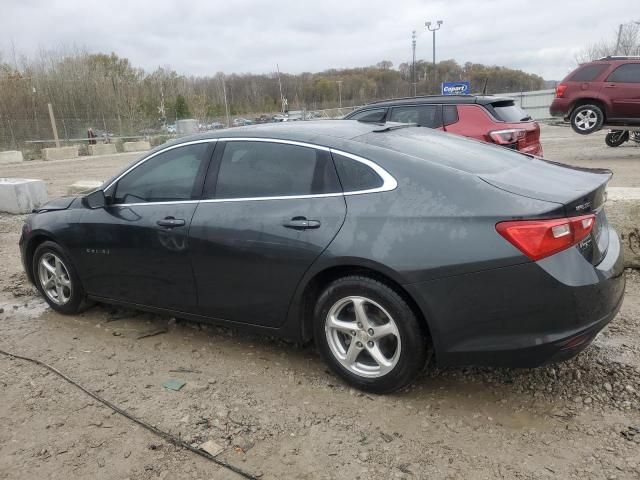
[102, 149]
[140, 146]
[623, 212]
[21, 195]
[62, 153]
[11, 156]
[83, 186]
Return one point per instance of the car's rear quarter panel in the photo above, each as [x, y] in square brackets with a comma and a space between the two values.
[439, 223]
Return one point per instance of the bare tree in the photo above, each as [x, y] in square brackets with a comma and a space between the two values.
[629, 44]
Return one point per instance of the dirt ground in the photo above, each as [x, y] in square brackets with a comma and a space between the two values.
[274, 407]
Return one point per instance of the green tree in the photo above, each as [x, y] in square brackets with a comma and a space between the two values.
[181, 108]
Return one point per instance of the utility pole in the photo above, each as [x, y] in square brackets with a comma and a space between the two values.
[33, 105]
[618, 42]
[339, 82]
[280, 85]
[226, 105]
[53, 126]
[434, 29]
[622, 25]
[413, 68]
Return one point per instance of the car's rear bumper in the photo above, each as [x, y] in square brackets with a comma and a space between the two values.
[560, 107]
[525, 315]
[533, 150]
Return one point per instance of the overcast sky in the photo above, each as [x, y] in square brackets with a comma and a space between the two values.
[203, 37]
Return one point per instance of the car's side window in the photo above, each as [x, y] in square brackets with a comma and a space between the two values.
[168, 176]
[449, 114]
[372, 115]
[355, 176]
[253, 169]
[588, 73]
[423, 115]
[627, 73]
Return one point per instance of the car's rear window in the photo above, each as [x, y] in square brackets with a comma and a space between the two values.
[461, 153]
[588, 73]
[508, 111]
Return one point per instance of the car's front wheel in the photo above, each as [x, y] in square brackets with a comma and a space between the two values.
[369, 335]
[586, 119]
[56, 279]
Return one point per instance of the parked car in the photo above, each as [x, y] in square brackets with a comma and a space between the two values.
[490, 119]
[603, 92]
[171, 128]
[215, 126]
[264, 118]
[382, 243]
[241, 122]
[280, 117]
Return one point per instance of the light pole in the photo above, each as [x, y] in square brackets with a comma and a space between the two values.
[434, 29]
[413, 65]
[339, 82]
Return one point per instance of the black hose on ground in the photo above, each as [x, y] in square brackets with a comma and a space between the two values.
[164, 435]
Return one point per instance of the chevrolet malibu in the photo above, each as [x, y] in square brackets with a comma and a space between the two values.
[387, 244]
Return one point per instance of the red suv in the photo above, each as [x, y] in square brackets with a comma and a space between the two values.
[604, 92]
[491, 119]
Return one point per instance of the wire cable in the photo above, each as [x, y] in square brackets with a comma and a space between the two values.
[164, 435]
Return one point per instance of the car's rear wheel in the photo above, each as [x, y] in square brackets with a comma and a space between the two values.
[57, 280]
[369, 335]
[586, 119]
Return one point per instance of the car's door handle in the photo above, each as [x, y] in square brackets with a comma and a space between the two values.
[171, 222]
[610, 85]
[301, 223]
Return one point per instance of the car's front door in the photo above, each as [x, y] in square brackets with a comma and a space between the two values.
[622, 86]
[275, 208]
[136, 249]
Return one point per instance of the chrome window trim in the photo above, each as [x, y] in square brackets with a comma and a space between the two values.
[389, 183]
[149, 157]
[274, 140]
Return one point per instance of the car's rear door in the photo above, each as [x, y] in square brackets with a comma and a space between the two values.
[622, 87]
[136, 248]
[273, 207]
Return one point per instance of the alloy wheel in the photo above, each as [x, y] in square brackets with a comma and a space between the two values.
[54, 278]
[363, 337]
[586, 119]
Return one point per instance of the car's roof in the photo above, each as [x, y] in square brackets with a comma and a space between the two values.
[327, 133]
[445, 99]
[616, 59]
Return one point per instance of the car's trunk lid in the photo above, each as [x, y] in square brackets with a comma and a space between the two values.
[580, 191]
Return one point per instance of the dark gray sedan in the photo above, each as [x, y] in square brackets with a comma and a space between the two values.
[382, 242]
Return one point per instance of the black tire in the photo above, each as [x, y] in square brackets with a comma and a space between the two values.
[77, 298]
[586, 119]
[412, 355]
[616, 138]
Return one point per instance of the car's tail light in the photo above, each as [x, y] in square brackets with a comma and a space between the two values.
[538, 239]
[508, 136]
[560, 88]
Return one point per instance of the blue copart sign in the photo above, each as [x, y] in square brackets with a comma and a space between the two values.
[455, 88]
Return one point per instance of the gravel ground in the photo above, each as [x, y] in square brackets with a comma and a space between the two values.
[275, 409]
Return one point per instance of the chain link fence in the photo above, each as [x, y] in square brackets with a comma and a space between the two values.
[31, 133]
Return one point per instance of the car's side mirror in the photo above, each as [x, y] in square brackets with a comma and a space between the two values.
[94, 200]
